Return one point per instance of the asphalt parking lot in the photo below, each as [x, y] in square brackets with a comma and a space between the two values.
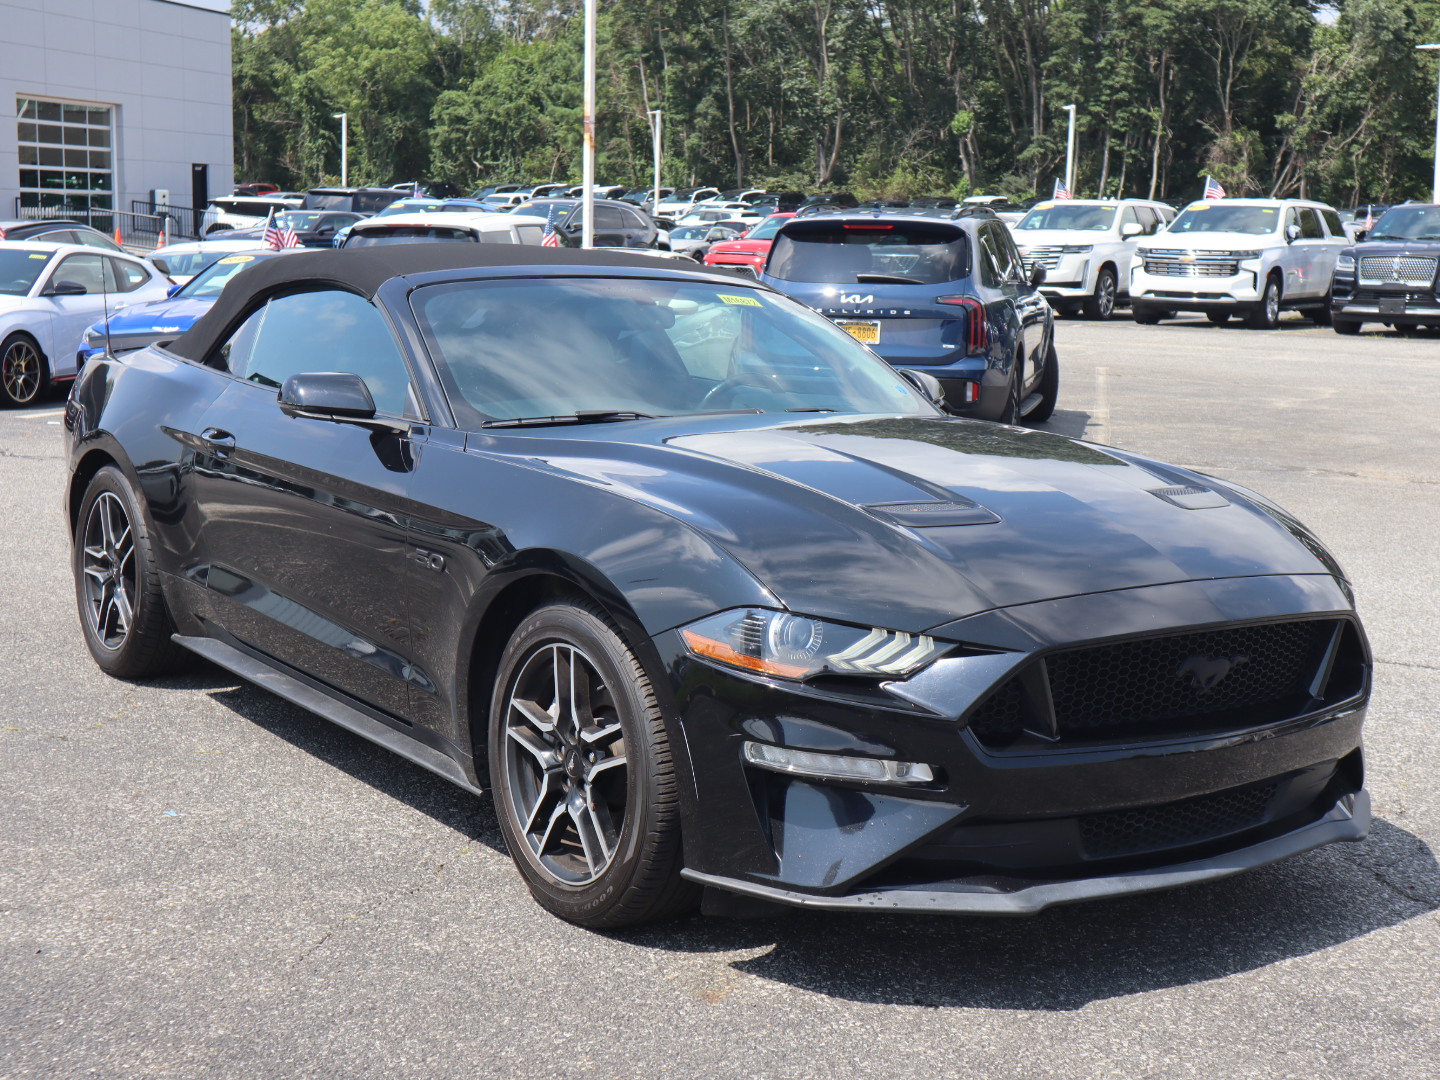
[197, 879]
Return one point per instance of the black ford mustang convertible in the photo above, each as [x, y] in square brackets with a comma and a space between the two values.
[708, 596]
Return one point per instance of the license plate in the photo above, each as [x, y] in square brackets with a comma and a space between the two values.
[1392, 305]
[868, 332]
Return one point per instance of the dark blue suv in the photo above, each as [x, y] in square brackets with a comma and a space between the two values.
[947, 297]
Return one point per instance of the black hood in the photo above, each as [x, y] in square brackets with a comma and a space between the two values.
[911, 523]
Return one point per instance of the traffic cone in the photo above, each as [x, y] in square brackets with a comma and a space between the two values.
[118, 241]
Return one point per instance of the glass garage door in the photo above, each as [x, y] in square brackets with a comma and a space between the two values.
[66, 155]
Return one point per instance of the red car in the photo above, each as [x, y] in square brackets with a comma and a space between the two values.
[749, 251]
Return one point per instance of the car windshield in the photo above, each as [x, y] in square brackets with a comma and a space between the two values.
[690, 232]
[409, 234]
[191, 263]
[410, 206]
[1217, 217]
[249, 207]
[299, 220]
[19, 269]
[1069, 216]
[847, 253]
[656, 347]
[210, 281]
[1408, 223]
[767, 229]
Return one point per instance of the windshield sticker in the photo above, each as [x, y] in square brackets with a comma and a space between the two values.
[39, 255]
[1044, 205]
[740, 301]
[1199, 206]
[231, 260]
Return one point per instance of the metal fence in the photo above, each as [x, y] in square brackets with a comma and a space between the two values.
[183, 222]
[133, 230]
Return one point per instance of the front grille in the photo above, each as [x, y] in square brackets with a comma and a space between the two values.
[1048, 257]
[1175, 686]
[1151, 828]
[1177, 262]
[1396, 269]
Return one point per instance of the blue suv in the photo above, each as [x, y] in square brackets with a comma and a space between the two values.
[944, 296]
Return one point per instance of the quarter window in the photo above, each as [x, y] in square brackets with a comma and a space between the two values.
[127, 276]
[327, 330]
[1332, 221]
[1310, 225]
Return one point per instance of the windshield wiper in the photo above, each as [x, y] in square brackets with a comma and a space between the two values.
[811, 408]
[584, 416]
[886, 279]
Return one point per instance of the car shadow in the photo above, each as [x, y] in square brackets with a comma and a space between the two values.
[1065, 958]
[1071, 422]
[381, 769]
[1059, 960]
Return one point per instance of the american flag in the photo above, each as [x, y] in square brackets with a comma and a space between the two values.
[1369, 220]
[551, 237]
[1213, 190]
[278, 237]
[1061, 191]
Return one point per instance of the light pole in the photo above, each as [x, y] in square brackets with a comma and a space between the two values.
[587, 151]
[344, 119]
[1435, 187]
[655, 121]
[1070, 153]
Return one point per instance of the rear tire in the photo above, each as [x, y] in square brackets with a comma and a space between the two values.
[126, 624]
[1146, 314]
[1321, 316]
[1010, 414]
[1219, 318]
[1049, 389]
[1102, 304]
[582, 773]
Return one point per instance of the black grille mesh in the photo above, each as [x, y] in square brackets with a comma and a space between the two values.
[1148, 828]
[1167, 687]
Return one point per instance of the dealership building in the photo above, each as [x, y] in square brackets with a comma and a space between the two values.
[105, 103]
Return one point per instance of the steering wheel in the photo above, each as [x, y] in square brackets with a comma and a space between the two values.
[724, 387]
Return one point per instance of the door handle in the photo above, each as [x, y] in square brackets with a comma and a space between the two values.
[218, 440]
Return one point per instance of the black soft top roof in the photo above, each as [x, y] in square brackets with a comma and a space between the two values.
[364, 270]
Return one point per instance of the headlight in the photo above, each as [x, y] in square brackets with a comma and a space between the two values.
[94, 337]
[1345, 262]
[797, 647]
[1247, 254]
[1077, 249]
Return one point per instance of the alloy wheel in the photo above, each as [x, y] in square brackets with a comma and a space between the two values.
[109, 569]
[1105, 296]
[565, 767]
[20, 372]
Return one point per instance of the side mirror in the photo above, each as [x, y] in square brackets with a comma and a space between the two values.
[325, 230]
[1131, 228]
[929, 386]
[329, 395]
[66, 288]
[1360, 234]
[161, 265]
[172, 290]
[1292, 233]
[1037, 276]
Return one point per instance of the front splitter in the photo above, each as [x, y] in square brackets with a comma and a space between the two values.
[1339, 824]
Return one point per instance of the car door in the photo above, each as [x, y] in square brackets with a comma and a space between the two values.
[1314, 259]
[70, 316]
[1030, 306]
[609, 227]
[1293, 257]
[302, 523]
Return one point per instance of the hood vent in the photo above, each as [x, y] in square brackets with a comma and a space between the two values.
[932, 515]
[1191, 498]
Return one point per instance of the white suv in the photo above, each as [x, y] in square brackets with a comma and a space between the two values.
[1085, 246]
[1247, 257]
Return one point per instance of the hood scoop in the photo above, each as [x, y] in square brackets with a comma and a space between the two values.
[1191, 498]
[932, 515]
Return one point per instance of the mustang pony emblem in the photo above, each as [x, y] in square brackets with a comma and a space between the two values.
[1204, 673]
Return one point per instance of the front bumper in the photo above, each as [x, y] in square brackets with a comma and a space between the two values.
[1012, 828]
[1195, 293]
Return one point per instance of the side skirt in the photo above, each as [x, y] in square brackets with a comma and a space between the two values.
[322, 704]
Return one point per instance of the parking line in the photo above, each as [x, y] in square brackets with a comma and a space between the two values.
[1100, 418]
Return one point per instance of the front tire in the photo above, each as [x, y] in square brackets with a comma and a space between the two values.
[1218, 318]
[24, 372]
[1102, 304]
[1266, 314]
[126, 624]
[584, 782]
[1146, 314]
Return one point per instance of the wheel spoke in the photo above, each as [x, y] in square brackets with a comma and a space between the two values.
[591, 843]
[546, 791]
[593, 734]
[123, 610]
[605, 831]
[555, 815]
[537, 717]
[544, 755]
[596, 768]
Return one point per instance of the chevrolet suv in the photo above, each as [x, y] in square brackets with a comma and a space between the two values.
[947, 298]
[1085, 246]
[1390, 276]
[1249, 257]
